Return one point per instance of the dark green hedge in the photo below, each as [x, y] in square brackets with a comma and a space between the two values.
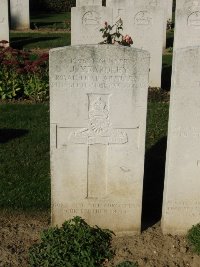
[53, 5]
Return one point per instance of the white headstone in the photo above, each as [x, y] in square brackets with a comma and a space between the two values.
[181, 206]
[187, 30]
[98, 119]
[19, 14]
[4, 26]
[144, 20]
[88, 3]
[86, 23]
[147, 22]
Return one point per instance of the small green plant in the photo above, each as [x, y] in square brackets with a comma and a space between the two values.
[127, 264]
[23, 75]
[112, 34]
[193, 238]
[75, 244]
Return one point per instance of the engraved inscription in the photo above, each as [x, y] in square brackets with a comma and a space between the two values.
[95, 211]
[143, 18]
[94, 73]
[91, 19]
[97, 208]
[99, 129]
[191, 208]
[193, 132]
[194, 20]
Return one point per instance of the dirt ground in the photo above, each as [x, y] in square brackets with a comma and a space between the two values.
[150, 249]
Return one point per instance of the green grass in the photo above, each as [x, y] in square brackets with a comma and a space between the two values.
[24, 156]
[193, 238]
[43, 40]
[54, 21]
[157, 121]
[170, 38]
[24, 152]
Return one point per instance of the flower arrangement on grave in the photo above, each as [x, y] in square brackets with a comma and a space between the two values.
[112, 34]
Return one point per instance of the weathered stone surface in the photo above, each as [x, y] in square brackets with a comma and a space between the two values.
[98, 119]
[4, 26]
[86, 23]
[145, 21]
[88, 3]
[19, 14]
[187, 30]
[181, 206]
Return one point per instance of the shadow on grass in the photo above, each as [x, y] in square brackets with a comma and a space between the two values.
[7, 135]
[154, 172]
[170, 42]
[166, 77]
[42, 16]
[20, 42]
[40, 24]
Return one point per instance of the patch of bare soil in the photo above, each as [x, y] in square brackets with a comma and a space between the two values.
[17, 233]
[150, 249]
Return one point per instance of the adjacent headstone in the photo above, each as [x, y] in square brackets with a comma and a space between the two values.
[88, 3]
[144, 20]
[181, 206]
[98, 119]
[86, 22]
[169, 9]
[19, 14]
[4, 26]
[187, 30]
[147, 24]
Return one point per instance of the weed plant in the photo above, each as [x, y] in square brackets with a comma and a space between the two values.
[193, 238]
[75, 244]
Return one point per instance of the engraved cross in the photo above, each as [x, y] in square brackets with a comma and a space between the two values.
[98, 136]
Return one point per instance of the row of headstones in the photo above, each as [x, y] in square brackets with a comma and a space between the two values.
[98, 124]
[144, 20]
[18, 11]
